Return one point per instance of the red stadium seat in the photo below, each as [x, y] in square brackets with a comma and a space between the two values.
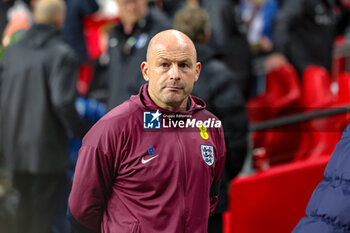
[316, 88]
[344, 89]
[275, 200]
[282, 90]
[320, 136]
[281, 98]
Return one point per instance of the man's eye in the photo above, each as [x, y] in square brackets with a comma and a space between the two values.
[183, 65]
[164, 64]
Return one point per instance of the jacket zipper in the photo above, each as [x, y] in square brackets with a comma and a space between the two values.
[183, 180]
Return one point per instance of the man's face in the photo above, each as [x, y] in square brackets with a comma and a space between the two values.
[131, 11]
[171, 70]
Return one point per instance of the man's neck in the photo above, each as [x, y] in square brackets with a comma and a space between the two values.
[128, 29]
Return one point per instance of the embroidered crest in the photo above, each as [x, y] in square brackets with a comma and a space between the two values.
[208, 154]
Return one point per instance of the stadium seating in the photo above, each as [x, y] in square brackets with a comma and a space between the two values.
[281, 98]
[275, 200]
[319, 136]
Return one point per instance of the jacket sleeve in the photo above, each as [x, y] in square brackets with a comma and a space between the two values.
[290, 12]
[329, 205]
[62, 86]
[218, 171]
[93, 178]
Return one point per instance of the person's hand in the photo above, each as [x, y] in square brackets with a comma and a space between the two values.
[274, 61]
[265, 44]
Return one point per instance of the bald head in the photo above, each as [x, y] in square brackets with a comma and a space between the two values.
[171, 69]
[171, 39]
[49, 12]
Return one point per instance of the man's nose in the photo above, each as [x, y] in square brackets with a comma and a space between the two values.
[174, 72]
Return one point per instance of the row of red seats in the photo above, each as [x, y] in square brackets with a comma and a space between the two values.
[286, 95]
[275, 200]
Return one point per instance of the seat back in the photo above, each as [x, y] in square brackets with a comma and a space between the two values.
[275, 200]
[281, 98]
[322, 133]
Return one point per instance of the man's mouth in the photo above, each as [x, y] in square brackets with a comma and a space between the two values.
[173, 88]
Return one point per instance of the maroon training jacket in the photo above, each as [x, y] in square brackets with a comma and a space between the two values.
[131, 177]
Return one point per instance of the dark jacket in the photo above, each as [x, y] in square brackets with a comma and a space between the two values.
[37, 93]
[218, 88]
[329, 206]
[304, 32]
[131, 178]
[126, 55]
[73, 29]
[228, 39]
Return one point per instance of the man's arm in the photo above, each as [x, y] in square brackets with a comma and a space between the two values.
[93, 178]
[91, 187]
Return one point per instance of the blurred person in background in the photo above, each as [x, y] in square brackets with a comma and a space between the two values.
[217, 87]
[16, 18]
[73, 28]
[258, 16]
[73, 35]
[5, 5]
[127, 48]
[170, 7]
[304, 33]
[228, 38]
[37, 94]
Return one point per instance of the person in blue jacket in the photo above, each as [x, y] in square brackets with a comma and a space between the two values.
[328, 210]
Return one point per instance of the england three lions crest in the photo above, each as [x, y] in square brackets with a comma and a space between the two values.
[208, 154]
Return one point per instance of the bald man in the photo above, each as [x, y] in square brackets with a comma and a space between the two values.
[153, 163]
[37, 101]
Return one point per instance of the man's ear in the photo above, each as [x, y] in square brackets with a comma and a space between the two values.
[198, 70]
[144, 68]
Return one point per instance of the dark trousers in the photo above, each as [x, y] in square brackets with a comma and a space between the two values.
[215, 224]
[39, 197]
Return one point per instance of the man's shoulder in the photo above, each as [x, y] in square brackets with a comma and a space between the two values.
[122, 112]
[113, 124]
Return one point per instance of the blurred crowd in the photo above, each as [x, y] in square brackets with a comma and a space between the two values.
[85, 56]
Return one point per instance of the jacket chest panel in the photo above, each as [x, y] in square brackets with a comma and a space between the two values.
[157, 159]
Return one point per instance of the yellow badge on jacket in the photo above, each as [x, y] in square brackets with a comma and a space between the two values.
[203, 132]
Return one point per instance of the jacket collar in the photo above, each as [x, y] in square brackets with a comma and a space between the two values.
[40, 34]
